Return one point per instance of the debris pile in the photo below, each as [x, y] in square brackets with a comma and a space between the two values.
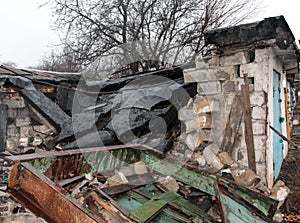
[215, 158]
[136, 184]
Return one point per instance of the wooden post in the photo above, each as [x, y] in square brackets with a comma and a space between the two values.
[233, 123]
[248, 124]
[286, 101]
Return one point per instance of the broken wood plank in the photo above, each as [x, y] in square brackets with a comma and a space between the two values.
[140, 181]
[232, 125]
[248, 124]
[96, 204]
[113, 202]
[151, 208]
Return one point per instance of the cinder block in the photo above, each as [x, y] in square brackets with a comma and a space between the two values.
[260, 155]
[204, 105]
[26, 131]
[186, 113]
[213, 61]
[259, 112]
[202, 121]
[229, 86]
[201, 104]
[261, 171]
[215, 106]
[222, 75]
[15, 102]
[259, 127]
[13, 132]
[260, 142]
[225, 158]
[209, 88]
[251, 69]
[195, 75]
[23, 111]
[193, 140]
[210, 154]
[262, 55]
[11, 143]
[12, 112]
[201, 63]
[23, 141]
[236, 58]
[258, 98]
[23, 121]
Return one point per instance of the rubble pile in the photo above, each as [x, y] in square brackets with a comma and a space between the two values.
[181, 145]
[138, 183]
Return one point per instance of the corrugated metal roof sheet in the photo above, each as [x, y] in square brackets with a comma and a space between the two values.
[38, 74]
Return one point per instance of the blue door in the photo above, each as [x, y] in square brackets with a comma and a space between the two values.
[277, 141]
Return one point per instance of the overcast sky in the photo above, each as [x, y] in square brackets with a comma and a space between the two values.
[26, 35]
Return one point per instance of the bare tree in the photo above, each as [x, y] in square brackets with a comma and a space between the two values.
[64, 61]
[164, 27]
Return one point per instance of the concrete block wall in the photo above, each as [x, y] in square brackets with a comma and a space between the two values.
[21, 131]
[219, 79]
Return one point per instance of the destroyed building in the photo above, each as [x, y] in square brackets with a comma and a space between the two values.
[209, 127]
[256, 61]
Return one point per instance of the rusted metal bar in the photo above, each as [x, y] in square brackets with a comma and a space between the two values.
[44, 198]
[285, 138]
[69, 181]
[78, 151]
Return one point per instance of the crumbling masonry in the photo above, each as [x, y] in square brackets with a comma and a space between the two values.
[261, 54]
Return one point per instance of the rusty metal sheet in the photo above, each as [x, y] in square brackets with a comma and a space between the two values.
[45, 198]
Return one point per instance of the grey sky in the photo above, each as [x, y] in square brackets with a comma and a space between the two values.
[26, 34]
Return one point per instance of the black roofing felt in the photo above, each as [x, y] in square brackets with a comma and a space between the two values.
[269, 28]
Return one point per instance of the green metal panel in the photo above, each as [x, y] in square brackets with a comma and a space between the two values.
[205, 182]
[200, 180]
[147, 210]
[234, 212]
[132, 201]
[106, 159]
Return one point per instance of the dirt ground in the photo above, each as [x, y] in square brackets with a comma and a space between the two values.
[290, 174]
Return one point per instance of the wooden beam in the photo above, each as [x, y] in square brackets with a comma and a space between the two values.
[232, 125]
[248, 124]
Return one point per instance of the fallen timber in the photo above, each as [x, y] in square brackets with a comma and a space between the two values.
[38, 180]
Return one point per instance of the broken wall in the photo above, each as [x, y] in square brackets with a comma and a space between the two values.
[219, 79]
[20, 131]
